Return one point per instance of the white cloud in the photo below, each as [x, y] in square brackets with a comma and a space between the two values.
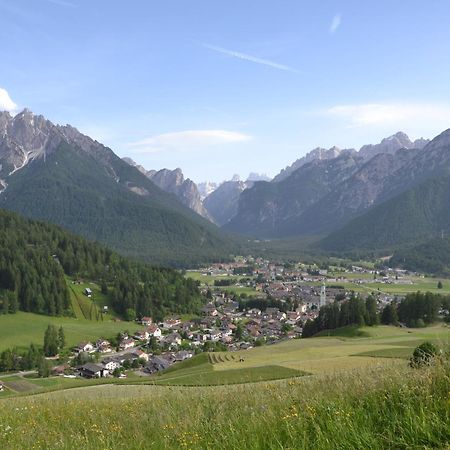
[374, 114]
[335, 23]
[188, 140]
[6, 103]
[385, 118]
[253, 59]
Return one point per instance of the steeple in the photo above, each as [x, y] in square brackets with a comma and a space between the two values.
[323, 295]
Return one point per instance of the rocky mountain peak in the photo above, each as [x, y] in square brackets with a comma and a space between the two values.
[253, 176]
[317, 153]
[173, 181]
[390, 145]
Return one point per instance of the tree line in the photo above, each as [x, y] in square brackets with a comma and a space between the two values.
[415, 310]
[355, 311]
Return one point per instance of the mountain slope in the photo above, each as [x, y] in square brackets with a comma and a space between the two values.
[416, 215]
[315, 154]
[319, 196]
[35, 257]
[222, 203]
[173, 181]
[273, 209]
[391, 144]
[416, 199]
[67, 178]
[431, 256]
[364, 189]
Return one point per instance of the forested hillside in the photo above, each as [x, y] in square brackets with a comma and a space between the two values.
[35, 258]
[417, 215]
[432, 256]
[75, 182]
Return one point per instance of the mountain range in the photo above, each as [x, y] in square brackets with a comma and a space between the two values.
[216, 202]
[378, 199]
[381, 199]
[56, 174]
[323, 190]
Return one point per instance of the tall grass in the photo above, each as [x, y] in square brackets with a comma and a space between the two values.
[370, 409]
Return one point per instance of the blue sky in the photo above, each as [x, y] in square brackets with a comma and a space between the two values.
[228, 86]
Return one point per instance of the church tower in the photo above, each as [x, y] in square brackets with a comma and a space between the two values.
[323, 296]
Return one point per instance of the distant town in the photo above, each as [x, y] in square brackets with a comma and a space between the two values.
[250, 302]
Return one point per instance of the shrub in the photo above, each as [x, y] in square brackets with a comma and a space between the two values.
[423, 355]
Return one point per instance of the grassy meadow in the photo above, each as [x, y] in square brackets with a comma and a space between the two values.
[22, 329]
[353, 390]
[371, 408]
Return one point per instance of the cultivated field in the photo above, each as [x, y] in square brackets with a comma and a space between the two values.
[377, 347]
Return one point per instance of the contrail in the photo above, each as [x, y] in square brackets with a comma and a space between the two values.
[62, 3]
[254, 59]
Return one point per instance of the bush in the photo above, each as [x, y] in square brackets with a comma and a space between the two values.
[423, 355]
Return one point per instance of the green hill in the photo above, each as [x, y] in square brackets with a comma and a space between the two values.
[36, 257]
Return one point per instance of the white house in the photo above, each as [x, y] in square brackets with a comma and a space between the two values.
[154, 330]
[111, 364]
[85, 347]
[127, 343]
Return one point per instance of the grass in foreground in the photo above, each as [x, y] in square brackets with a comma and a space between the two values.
[370, 409]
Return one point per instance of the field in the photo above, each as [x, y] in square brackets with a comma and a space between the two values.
[89, 308]
[208, 280]
[330, 392]
[22, 329]
[318, 356]
[388, 408]
[418, 284]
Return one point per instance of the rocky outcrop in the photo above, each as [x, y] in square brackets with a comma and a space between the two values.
[186, 190]
[390, 145]
[321, 191]
[222, 204]
[173, 181]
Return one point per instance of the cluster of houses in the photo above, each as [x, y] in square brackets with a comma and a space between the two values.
[176, 340]
[301, 283]
[155, 346]
[131, 352]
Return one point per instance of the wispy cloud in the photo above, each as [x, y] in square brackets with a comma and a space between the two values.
[62, 3]
[6, 103]
[335, 23]
[413, 116]
[189, 140]
[250, 58]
